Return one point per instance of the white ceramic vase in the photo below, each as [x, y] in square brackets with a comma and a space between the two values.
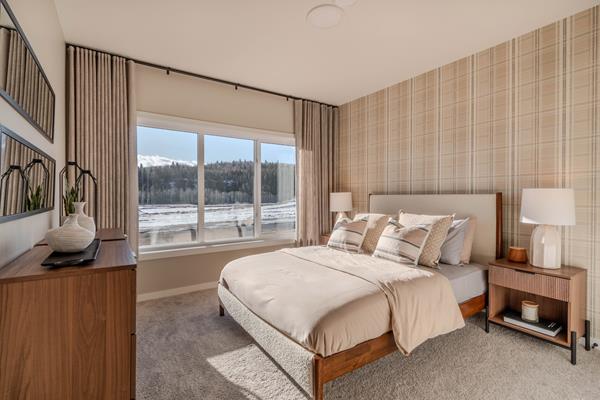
[69, 238]
[84, 221]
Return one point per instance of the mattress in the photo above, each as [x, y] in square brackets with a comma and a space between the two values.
[341, 315]
[467, 281]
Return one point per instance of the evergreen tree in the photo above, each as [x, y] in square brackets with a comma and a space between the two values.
[224, 182]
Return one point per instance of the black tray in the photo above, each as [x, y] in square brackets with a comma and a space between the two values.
[57, 259]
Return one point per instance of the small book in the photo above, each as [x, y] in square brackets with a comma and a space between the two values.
[544, 326]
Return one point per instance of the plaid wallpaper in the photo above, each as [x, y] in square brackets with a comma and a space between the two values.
[524, 113]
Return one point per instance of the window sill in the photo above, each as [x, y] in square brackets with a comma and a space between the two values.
[157, 254]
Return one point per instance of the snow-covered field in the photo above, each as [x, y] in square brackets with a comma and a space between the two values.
[172, 223]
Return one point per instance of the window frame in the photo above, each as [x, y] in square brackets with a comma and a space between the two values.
[201, 129]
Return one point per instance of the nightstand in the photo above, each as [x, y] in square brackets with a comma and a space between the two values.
[561, 295]
[324, 239]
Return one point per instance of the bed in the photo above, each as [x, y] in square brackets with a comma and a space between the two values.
[317, 331]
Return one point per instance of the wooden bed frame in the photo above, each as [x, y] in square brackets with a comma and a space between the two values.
[326, 369]
[329, 368]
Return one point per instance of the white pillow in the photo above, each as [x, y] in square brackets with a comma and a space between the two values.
[371, 218]
[465, 254]
[453, 245]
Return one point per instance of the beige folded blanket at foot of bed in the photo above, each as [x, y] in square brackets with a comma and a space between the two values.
[329, 301]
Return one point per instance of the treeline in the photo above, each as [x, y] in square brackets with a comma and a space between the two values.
[225, 183]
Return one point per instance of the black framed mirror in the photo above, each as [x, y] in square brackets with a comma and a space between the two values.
[26, 178]
[23, 83]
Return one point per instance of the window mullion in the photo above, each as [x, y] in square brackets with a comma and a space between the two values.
[200, 158]
[257, 190]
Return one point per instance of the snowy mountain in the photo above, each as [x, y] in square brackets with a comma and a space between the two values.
[156, 161]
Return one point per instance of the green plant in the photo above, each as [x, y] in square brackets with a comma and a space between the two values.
[69, 198]
[34, 200]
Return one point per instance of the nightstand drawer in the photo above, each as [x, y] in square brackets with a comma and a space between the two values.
[543, 285]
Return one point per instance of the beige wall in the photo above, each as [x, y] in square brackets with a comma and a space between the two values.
[524, 113]
[159, 275]
[188, 97]
[39, 20]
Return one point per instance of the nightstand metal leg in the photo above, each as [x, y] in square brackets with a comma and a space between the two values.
[487, 314]
[588, 344]
[487, 322]
[573, 347]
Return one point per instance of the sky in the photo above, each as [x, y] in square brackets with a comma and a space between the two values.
[182, 146]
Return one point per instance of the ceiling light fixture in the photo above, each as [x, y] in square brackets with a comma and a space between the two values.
[345, 3]
[325, 16]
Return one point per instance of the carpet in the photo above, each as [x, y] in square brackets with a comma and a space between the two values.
[186, 351]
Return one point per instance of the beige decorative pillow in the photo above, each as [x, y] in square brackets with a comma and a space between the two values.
[376, 223]
[401, 243]
[440, 224]
[348, 235]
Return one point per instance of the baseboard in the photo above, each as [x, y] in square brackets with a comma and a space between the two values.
[175, 291]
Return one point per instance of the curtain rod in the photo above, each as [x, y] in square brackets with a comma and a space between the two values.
[236, 85]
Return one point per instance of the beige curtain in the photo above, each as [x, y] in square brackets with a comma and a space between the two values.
[102, 134]
[315, 127]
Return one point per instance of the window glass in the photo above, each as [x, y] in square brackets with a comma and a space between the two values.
[228, 188]
[168, 186]
[278, 190]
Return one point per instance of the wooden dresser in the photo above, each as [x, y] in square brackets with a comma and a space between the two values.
[68, 333]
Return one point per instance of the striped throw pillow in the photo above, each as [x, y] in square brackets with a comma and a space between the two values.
[430, 256]
[348, 235]
[402, 243]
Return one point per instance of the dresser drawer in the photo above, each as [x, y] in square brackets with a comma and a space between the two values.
[543, 285]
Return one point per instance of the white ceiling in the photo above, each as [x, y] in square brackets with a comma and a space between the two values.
[267, 43]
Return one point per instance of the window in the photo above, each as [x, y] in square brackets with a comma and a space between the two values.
[228, 188]
[210, 183]
[167, 186]
[278, 190]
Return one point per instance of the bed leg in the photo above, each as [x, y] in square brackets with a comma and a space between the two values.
[221, 310]
[317, 378]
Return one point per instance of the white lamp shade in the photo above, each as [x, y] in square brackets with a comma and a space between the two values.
[340, 201]
[548, 206]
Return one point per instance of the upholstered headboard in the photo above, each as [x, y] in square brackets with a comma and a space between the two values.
[486, 207]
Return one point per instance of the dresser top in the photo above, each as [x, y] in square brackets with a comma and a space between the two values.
[566, 272]
[113, 255]
[105, 234]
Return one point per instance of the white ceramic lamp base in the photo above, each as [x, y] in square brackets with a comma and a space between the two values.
[545, 247]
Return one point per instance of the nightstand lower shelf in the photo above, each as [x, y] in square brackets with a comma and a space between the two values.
[560, 339]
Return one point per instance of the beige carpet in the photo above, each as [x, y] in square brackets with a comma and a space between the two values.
[186, 351]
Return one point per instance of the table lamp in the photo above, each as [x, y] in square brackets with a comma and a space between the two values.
[340, 202]
[547, 208]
